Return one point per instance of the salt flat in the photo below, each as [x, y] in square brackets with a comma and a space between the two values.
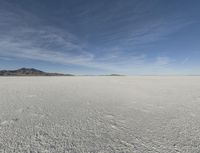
[148, 114]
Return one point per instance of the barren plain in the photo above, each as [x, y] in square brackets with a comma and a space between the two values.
[144, 114]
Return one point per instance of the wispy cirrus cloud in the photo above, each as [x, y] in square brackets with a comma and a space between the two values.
[53, 45]
[108, 40]
[56, 50]
[36, 41]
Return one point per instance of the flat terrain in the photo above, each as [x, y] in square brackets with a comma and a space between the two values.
[100, 114]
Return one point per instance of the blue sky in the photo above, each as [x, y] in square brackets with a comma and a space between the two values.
[133, 37]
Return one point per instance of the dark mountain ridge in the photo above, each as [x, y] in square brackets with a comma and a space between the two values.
[29, 72]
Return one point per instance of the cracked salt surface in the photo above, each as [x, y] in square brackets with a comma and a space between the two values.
[100, 114]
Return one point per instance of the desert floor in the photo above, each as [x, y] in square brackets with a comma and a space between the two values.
[147, 114]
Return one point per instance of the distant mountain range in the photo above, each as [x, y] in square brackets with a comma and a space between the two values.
[29, 72]
[116, 75]
[35, 72]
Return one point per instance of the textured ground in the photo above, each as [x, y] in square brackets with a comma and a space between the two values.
[100, 114]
